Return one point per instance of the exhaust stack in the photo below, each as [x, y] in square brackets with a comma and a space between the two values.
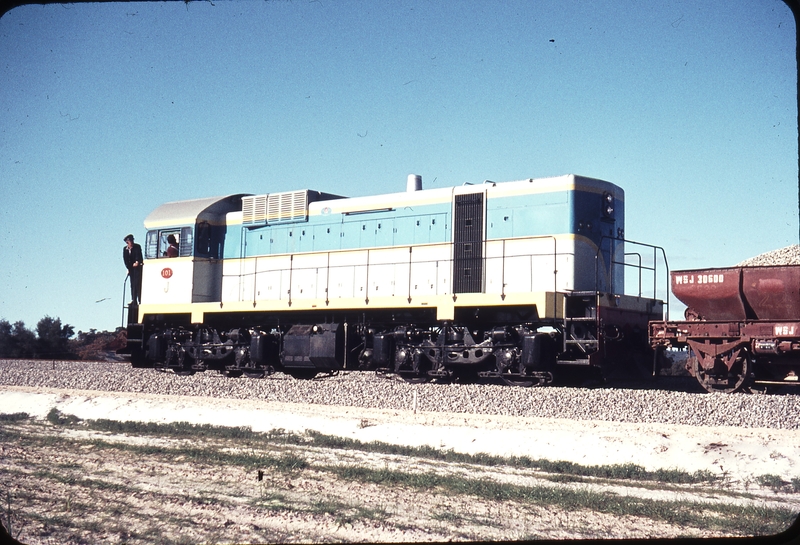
[414, 183]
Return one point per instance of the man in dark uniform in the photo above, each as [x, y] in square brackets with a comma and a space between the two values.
[132, 256]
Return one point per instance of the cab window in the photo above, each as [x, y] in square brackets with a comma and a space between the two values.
[168, 243]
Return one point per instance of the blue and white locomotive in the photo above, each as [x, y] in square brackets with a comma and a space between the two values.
[516, 280]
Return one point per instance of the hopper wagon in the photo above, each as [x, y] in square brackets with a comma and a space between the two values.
[741, 327]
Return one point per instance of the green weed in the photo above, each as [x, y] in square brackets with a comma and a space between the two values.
[14, 417]
[746, 520]
[778, 484]
[57, 418]
[172, 429]
[613, 471]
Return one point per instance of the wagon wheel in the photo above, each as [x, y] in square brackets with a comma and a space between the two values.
[720, 379]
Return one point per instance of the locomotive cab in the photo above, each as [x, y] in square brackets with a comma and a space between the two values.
[191, 271]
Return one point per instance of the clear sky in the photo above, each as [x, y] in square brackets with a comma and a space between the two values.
[109, 110]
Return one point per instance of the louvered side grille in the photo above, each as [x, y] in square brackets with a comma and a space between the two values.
[287, 206]
[254, 210]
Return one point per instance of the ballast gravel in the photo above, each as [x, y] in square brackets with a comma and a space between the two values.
[668, 401]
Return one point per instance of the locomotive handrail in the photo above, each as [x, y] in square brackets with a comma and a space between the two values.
[640, 267]
[637, 254]
[124, 306]
[251, 273]
[555, 271]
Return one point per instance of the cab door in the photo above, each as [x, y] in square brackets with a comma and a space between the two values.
[207, 274]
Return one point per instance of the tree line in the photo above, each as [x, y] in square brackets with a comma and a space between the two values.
[53, 340]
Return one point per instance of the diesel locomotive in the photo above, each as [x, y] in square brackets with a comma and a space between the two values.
[520, 281]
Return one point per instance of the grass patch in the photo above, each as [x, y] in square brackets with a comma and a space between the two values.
[777, 484]
[745, 520]
[84, 482]
[344, 513]
[611, 471]
[204, 455]
[273, 501]
[14, 417]
[313, 438]
[170, 430]
[57, 418]
[449, 517]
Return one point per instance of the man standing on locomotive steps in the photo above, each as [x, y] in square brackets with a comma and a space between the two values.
[132, 256]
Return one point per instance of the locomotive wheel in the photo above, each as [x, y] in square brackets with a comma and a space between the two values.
[303, 374]
[254, 373]
[519, 380]
[233, 373]
[720, 379]
[415, 379]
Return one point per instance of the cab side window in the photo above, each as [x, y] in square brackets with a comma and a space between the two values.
[186, 242]
[168, 243]
[151, 245]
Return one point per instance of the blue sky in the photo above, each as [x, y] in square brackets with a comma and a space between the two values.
[109, 110]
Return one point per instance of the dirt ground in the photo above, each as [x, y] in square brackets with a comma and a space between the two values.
[70, 483]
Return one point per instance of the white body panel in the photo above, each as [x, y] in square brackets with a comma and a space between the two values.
[512, 266]
[167, 281]
[540, 264]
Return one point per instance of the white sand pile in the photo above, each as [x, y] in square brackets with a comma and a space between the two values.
[783, 256]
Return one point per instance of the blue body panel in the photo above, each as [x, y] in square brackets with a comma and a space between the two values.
[423, 225]
[528, 215]
[575, 211]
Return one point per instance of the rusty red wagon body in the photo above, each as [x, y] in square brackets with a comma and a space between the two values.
[742, 325]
